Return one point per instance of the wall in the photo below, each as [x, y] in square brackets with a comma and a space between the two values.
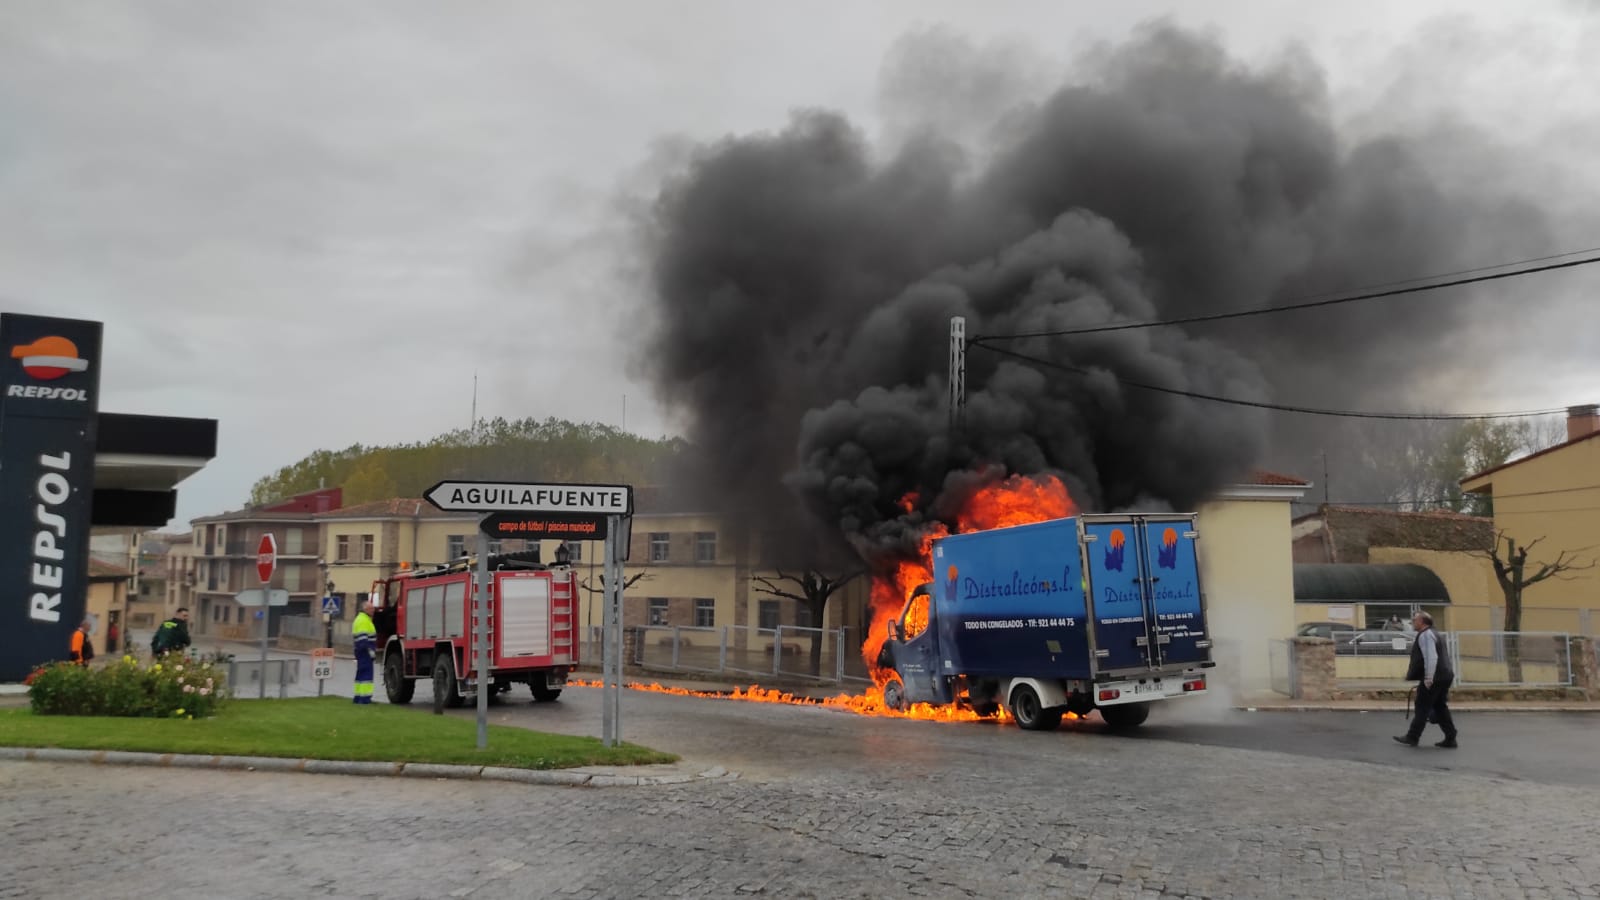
[105, 597]
[1248, 576]
[1564, 509]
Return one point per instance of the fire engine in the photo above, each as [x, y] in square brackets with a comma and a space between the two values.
[427, 628]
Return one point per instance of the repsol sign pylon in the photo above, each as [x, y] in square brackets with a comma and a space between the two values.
[49, 398]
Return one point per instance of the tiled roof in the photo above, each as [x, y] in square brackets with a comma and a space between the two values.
[396, 508]
[1262, 477]
[1356, 529]
[105, 570]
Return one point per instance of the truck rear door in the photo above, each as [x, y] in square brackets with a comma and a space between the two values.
[1172, 580]
[1119, 616]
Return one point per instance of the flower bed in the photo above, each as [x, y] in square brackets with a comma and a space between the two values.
[172, 687]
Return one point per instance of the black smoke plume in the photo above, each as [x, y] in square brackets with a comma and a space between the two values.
[803, 282]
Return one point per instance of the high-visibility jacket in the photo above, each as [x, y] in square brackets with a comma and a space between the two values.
[364, 634]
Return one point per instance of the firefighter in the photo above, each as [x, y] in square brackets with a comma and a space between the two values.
[365, 637]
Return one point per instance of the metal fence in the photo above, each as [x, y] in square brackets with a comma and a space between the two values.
[313, 628]
[784, 651]
[1280, 663]
[1480, 658]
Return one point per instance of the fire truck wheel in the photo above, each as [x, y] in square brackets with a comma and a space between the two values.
[1125, 715]
[543, 692]
[444, 683]
[396, 685]
[1029, 711]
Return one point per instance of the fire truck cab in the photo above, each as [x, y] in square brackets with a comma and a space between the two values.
[427, 628]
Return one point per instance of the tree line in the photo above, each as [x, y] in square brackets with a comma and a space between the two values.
[514, 450]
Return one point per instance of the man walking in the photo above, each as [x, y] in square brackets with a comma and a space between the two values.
[172, 636]
[82, 648]
[1430, 664]
[365, 637]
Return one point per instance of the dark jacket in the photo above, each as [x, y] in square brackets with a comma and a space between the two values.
[173, 635]
[1442, 673]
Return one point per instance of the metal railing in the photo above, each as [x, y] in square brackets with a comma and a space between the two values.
[784, 651]
[312, 628]
[1281, 667]
[1479, 658]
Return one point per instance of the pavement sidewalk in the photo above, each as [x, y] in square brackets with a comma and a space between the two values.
[1530, 706]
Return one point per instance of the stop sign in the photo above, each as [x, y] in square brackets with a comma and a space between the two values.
[266, 558]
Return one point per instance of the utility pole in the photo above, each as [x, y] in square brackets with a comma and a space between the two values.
[1324, 477]
[958, 373]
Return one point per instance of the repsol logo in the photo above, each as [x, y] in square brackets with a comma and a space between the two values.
[47, 393]
[53, 490]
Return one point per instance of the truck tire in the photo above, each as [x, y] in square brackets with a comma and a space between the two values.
[986, 709]
[894, 694]
[1029, 711]
[445, 689]
[542, 691]
[1125, 716]
[396, 685]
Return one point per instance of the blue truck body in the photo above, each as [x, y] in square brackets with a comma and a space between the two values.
[1090, 612]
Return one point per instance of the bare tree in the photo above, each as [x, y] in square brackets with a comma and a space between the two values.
[1510, 563]
[811, 588]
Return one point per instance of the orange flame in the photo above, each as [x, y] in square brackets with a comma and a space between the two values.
[869, 703]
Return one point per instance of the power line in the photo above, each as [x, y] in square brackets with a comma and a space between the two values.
[1370, 294]
[1279, 407]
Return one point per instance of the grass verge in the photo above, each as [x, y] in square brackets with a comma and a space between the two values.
[321, 728]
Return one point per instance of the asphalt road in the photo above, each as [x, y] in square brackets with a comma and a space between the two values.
[1547, 748]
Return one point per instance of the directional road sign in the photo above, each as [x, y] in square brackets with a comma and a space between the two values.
[252, 597]
[573, 527]
[558, 499]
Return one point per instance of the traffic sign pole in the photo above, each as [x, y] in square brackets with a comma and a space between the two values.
[266, 562]
[483, 641]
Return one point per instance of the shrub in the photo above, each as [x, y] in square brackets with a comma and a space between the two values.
[173, 686]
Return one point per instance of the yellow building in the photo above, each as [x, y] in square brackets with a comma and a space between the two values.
[107, 605]
[1553, 496]
[358, 545]
[1247, 572]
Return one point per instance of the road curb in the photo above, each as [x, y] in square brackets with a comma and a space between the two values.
[551, 777]
[1402, 706]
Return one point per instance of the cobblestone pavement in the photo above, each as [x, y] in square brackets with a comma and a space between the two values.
[841, 807]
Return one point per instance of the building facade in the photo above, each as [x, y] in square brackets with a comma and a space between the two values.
[225, 555]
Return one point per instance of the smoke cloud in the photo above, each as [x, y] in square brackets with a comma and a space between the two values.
[802, 283]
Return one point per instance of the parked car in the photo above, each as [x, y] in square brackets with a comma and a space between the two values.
[1372, 643]
[1321, 629]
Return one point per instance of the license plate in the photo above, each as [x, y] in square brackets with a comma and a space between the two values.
[1143, 689]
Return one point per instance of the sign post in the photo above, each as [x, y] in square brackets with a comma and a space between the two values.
[548, 511]
[266, 563]
[481, 637]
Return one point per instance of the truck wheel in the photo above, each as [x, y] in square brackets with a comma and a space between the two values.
[445, 690]
[1029, 711]
[1125, 715]
[396, 685]
[986, 709]
[542, 691]
[894, 694]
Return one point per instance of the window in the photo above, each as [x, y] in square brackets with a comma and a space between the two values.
[455, 547]
[496, 548]
[660, 544]
[291, 577]
[802, 616]
[293, 542]
[227, 614]
[768, 615]
[705, 613]
[658, 611]
[366, 548]
[705, 546]
[576, 549]
[341, 548]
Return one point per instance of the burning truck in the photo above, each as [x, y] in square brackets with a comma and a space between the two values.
[1066, 616]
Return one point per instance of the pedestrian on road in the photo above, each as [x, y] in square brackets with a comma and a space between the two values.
[365, 637]
[1430, 664]
[172, 636]
[82, 646]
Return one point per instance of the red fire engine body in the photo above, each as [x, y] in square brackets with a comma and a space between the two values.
[427, 629]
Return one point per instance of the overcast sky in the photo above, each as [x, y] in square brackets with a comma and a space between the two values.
[314, 221]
